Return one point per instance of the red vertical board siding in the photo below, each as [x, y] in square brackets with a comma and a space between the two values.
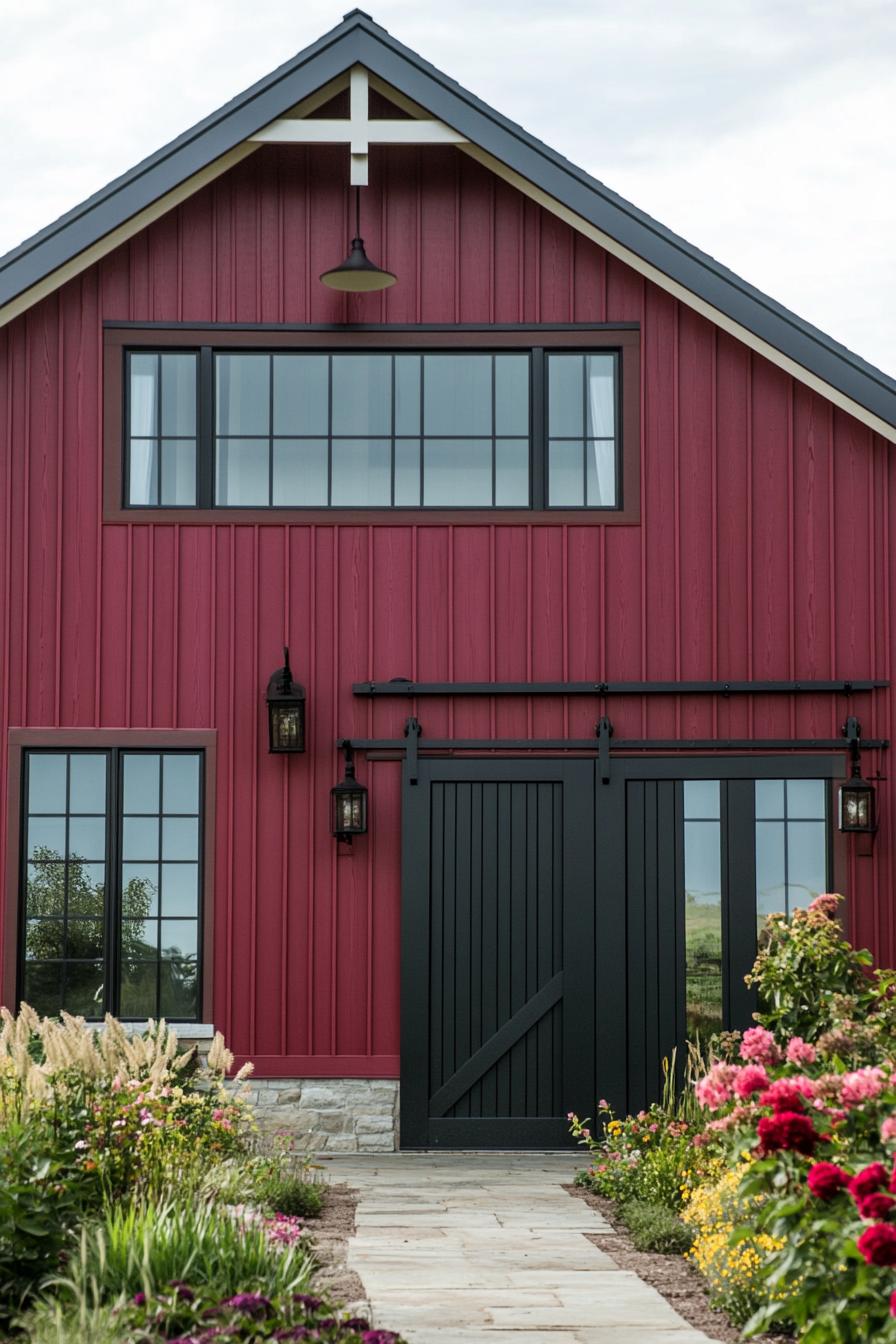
[763, 551]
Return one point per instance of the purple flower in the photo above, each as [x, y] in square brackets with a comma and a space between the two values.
[182, 1291]
[356, 1323]
[252, 1304]
[379, 1336]
[309, 1303]
[139, 1299]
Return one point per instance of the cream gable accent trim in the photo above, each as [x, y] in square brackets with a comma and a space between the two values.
[678, 291]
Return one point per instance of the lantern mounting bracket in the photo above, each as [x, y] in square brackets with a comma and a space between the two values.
[412, 732]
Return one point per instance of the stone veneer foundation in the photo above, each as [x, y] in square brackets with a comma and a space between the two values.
[329, 1115]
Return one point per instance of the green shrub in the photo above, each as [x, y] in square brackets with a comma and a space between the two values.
[144, 1247]
[292, 1195]
[653, 1227]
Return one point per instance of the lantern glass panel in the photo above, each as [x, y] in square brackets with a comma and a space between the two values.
[856, 808]
[287, 727]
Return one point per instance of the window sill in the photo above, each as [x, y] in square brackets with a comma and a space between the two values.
[186, 1031]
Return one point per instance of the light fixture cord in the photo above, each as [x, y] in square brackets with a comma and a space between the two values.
[357, 212]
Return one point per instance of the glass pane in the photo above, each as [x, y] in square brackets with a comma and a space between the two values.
[139, 938]
[701, 798]
[44, 939]
[703, 926]
[43, 987]
[770, 798]
[566, 479]
[512, 395]
[141, 783]
[806, 799]
[362, 472]
[180, 889]
[362, 395]
[143, 395]
[512, 472]
[46, 837]
[179, 394]
[407, 472]
[565, 396]
[140, 838]
[178, 471]
[84, 938]
[180, 783]
[87, 838]
[139, 890]
[242, 472]
[84, 988]
[88, 783]
[457, 471]
[242, 394]
[600, 386]
[407, 394]
[180, 938]
[86, 888]
[46, 782]
[771, 891]
[180, 838]
[600, 456]
[301, 394]
[300, 472]
[806, 862]
[138, 989]
[457, 394]
[143, 472]
[46, 889]
[178, 1000]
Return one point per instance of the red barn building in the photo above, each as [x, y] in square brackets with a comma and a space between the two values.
[580, 546]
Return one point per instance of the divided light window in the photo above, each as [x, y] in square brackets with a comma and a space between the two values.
[434, 429]
[111, 882]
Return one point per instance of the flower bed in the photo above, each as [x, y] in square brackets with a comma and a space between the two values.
[133, 1205]
[788, 1182]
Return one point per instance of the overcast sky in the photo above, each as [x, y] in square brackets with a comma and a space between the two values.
[763, 131]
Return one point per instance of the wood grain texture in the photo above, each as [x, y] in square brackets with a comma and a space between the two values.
[763, 551]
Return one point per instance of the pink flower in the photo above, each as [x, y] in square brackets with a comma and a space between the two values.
[888, 1129]
[81, 1144]
[759, 1046]
[782, 1096]
[826, 904]
[752, 1078]
[863, 1085]
[800, 1052]
[716, 1089]
[603, 1104]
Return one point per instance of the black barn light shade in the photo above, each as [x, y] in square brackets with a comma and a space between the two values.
[358, 274]
[857, 796]
[286, 710]
[348, 801]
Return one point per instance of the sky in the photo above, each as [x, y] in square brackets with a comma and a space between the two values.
[762, 131]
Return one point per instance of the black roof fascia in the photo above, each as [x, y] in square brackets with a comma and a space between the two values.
[359, 40]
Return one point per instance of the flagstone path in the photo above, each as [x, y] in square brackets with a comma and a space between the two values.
[473, 1248]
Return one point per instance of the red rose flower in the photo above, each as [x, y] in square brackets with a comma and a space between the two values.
[869, 1180]
[878, 1244]
[787, 1130]
[874, 1207]
[782, 1096]
[825, 1179]
[893, 1304]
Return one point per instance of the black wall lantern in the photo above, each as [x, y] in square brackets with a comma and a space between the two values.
[349, 801]
[857, 809]
[286, 710]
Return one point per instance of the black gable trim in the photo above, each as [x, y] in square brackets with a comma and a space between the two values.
[359, 40]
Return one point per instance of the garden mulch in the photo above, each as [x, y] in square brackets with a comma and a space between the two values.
[671, 1275]
[330, 1233]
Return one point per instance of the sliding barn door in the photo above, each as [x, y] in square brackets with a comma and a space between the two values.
[498, 966]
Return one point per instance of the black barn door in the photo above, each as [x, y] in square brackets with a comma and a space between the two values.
[498, 953]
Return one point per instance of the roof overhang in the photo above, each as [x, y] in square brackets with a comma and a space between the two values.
[87, 233]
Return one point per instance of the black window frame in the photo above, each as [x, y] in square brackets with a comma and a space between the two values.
[113, 895]
[620, 340]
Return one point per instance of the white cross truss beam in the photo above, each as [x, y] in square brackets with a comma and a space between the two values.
[358, 131]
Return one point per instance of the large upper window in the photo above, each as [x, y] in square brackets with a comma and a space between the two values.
[111, 882]
[441, 428]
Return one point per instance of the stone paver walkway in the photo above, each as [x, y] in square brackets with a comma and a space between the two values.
[470, 1248]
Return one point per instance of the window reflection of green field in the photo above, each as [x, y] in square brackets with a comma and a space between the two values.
[703, 963]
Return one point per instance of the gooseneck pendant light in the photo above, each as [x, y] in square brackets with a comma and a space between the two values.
[358, 274]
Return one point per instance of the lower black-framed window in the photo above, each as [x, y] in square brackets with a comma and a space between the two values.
[110, 901]
[536, 428]
[751, 848]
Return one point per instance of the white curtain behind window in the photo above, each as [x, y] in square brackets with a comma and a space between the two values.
[600, 375]
[143, 405]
